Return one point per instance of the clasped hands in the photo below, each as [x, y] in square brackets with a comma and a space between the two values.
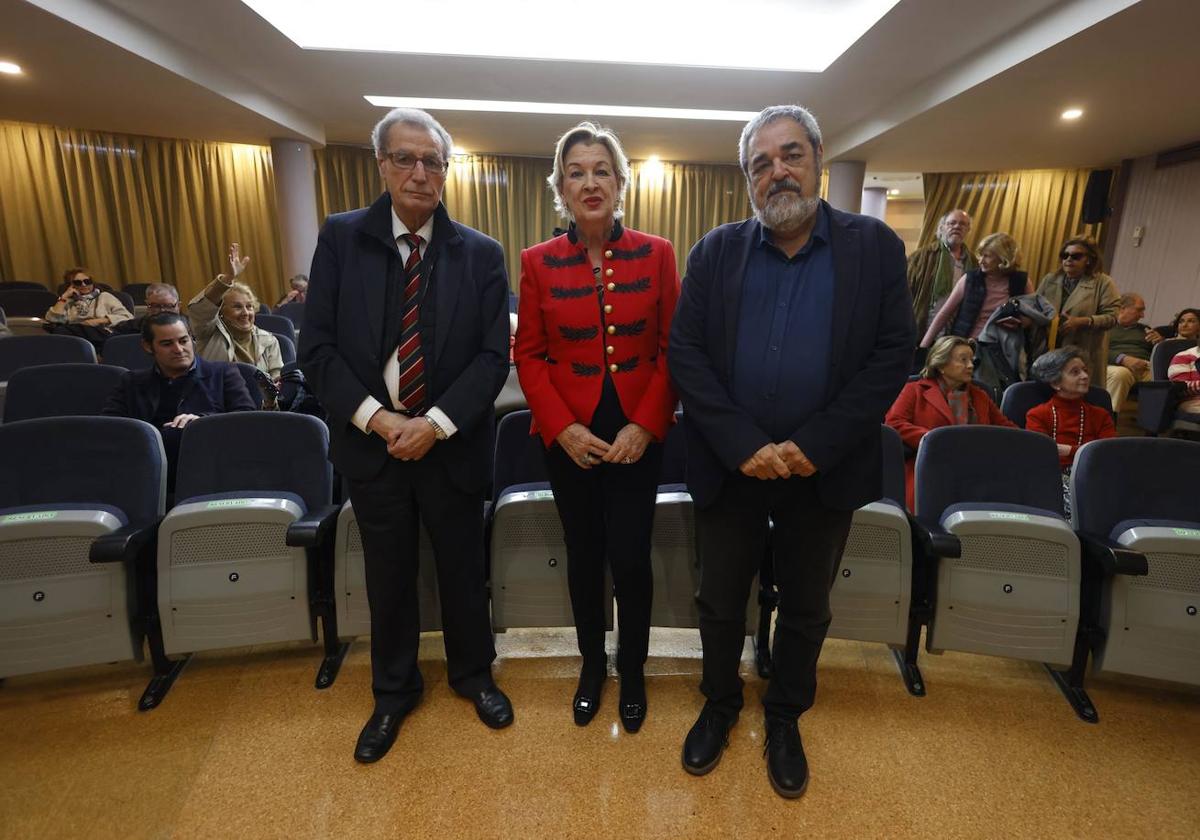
[408, 438]
[778, 460]
[587, 450]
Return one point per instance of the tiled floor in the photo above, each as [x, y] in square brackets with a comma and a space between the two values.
[245, 747]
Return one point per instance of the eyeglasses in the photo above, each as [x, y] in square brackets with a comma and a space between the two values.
[81, 283]
[162, 307]
[1072, 255]
[406, 163]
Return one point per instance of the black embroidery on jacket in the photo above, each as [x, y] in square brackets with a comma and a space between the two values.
[640, 285]
[640, 252]
[569, 292]
[551, 261]
[636, 328]
[579, 333]
[580, 369]
[627, 365]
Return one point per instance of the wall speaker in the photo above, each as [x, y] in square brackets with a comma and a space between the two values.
[1095, 197]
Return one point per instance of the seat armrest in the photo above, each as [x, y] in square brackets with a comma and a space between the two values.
[934, 540]
[314, 528]
[122, 545]
[1157, 399]
[1112, 557]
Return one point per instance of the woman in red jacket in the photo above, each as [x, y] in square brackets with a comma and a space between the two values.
[593, 319]
[943, 396]
[1067, 417]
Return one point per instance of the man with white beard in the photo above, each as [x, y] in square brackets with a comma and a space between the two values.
[792, 337]
[934, 269]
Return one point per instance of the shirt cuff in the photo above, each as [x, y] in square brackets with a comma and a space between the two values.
[366, 410]
[438, 416]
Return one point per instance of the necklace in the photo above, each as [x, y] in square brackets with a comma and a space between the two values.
[1054, 423]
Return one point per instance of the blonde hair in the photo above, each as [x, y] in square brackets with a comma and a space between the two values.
[243, 289]
[1004, 247]
[588, 133]
[940, 352]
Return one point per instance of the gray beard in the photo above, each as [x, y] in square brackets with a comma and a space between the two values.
[786, 211]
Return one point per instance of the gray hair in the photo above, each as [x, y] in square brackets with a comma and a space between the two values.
[769, 115]
[162, 289]
[1130, 299]
[1048, 367]
[412, 117]
[588, 133]
[946, 217]
[299, 278]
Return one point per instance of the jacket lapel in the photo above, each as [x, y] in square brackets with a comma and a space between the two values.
[377, 226]
[1084, 290]
[934, 396]
[846, 269]
[731, 271]
[446, 252]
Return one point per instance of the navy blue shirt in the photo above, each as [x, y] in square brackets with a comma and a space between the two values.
[781, 359]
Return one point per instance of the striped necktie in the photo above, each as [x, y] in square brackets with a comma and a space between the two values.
[411, 391]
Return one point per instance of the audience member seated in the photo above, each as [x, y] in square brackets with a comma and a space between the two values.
[84, 310]
[943, 396]
[1184, 369]
[298, 293]
[160, 297]
[1085, 299]
[1129, 345]
[1186, 324]
[223, 319]
[981, 291]
[179, 387]
[1067, 417]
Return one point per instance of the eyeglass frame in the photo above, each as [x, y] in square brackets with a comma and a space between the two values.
[1073, 255]
[162, 307]
[391, 157]
[79, 284]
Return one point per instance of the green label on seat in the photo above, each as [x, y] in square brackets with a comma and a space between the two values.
[229, 503]
[1186, 532]
[35, 516]
[543, 494]
[1012, 517]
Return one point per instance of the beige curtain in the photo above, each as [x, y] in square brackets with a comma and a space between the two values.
[134, 209]
[1040, 208]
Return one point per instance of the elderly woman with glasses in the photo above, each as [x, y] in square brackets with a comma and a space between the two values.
[83, 305]
[593, 321]
[943, 396]
[1086, 300]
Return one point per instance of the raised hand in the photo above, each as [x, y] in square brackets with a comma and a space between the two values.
[237, 263]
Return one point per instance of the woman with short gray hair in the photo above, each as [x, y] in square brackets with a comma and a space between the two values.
[1067, 417]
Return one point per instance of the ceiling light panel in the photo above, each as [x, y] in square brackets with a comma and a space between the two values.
[495, 106]
[807, 35]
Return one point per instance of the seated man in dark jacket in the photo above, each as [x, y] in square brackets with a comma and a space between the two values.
[179, 388]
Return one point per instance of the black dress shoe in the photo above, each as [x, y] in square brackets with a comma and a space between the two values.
[377, 737]
[705, 742]
[787, 767]
[587, 695]
[633, 701]
[493, 707]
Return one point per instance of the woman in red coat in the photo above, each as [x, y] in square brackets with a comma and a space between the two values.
[943, 396]
[593, 319]
[1067, 417]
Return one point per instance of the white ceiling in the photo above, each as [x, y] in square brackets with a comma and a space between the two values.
[935, 85]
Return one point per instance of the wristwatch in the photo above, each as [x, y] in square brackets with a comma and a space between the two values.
[438, 431]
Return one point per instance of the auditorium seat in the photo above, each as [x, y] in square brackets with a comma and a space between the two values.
[511, 398]
[22, 284]
[136, 292]
[528, 555]
[74, 488]
[126, 351]
[250, 376]
[1019, 397]
[1014, 590]
[287, 348]
[279, 325]
[253, 492]
[1139, 495]
[1158, 398]
[61, 390]
[21, 351]
[27, 303]
[294, 312]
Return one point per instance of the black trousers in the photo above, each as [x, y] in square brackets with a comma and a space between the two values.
[390, 509]
[607, 514]
[731, 540]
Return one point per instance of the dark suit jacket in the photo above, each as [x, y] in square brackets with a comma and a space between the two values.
[217, 388]
[342, 343]
[870, 354]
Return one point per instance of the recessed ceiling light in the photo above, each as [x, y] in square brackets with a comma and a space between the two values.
[1072, 113]
[492, 30]
[893, 192]
[505, 107]
[10, 69]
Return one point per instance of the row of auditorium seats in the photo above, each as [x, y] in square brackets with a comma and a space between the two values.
[254, 551]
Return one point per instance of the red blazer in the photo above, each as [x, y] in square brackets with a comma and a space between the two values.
[564, 342]
[1097, 424]
[922, 406]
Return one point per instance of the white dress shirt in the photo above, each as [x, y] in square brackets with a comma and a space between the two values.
[391, 368]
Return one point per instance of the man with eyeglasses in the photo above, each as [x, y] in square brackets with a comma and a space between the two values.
[934, 269]
[160, 298]
[405, 344]
[84, 310]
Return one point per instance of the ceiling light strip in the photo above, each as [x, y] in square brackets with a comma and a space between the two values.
[505, 107]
